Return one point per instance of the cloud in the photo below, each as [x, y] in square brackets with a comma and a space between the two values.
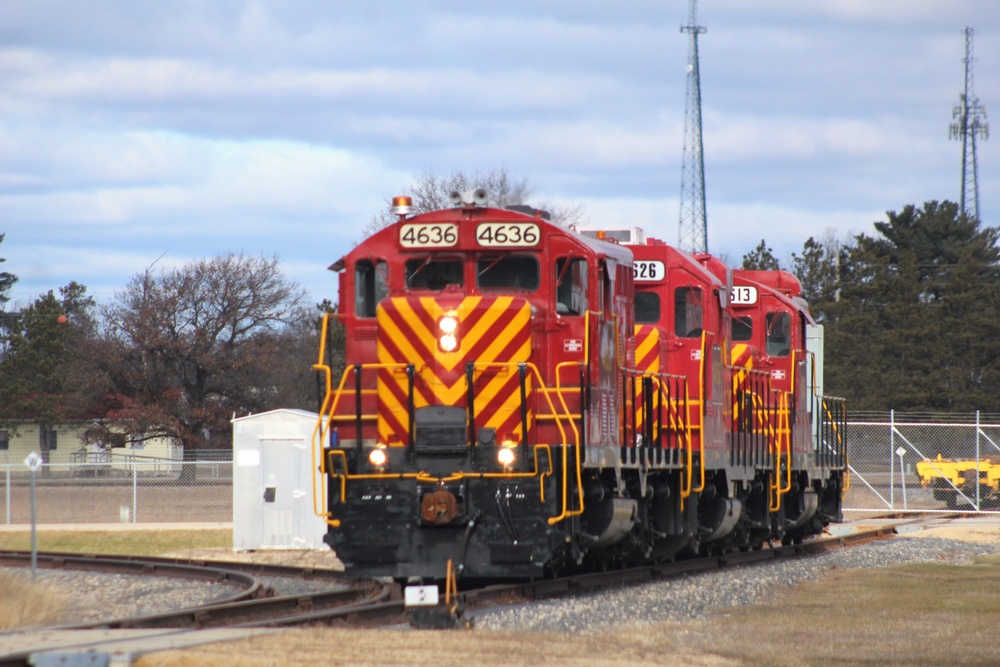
[205, 126]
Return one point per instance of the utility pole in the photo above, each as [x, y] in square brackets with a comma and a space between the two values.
[693, 234]
[969, 124]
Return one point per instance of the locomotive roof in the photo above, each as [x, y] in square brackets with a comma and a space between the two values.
[657, 249]
[388, 234]
[793, 302]
[779, 280]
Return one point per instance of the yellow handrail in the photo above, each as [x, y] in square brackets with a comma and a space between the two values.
[332, 400]
[783, 438]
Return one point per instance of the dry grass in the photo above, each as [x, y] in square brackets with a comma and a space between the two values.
[133, 542]
[380, 648]
[912, 615]
[26, 604]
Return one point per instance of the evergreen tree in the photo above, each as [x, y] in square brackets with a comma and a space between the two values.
[918, 315]
[7, 279]
[818, 271]
[40, 378]
[761, 258]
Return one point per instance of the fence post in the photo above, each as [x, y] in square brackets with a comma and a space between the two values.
[8, 493]
[892, 460]
[901, 452]
[977, 461]
[135, 492]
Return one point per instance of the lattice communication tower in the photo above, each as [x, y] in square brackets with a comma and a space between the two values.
[969, 123]
[693, 234]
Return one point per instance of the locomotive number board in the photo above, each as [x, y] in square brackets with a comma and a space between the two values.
[516, 234]
[645, 270]
[744, 295]
[428, 235]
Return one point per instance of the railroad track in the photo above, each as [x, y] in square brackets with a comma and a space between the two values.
[363, 602]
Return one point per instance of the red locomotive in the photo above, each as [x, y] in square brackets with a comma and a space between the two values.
[520, 398]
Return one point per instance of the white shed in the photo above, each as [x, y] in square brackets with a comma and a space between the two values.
[272, 482]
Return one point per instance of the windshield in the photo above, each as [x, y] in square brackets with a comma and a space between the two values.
[434, 274]
[505, 271]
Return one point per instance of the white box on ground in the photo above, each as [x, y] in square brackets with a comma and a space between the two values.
[420, 596]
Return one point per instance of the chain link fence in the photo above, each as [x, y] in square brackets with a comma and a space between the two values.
[886, 448]
[120, 490]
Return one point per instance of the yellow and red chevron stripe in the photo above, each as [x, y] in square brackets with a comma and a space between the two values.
[647, 348]
[741, 355]
[741, 359]
[647, 360]
[492, 330]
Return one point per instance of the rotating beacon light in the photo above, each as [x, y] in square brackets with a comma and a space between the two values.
[402, 206]
[448, 332]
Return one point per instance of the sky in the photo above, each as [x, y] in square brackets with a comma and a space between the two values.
[149, 134]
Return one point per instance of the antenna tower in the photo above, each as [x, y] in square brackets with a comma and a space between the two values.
[693, 234]
[969, 124]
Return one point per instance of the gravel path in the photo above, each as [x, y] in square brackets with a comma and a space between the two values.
[694, 597]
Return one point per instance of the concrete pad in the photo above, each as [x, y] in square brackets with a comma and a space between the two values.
[122, 645]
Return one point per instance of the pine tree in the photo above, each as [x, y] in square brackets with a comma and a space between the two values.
[761, 258]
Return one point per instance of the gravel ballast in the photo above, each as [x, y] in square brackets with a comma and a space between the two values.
[695, 597]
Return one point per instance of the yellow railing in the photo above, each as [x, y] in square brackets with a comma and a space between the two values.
[840, 441]
[328, 417]
[782, 446]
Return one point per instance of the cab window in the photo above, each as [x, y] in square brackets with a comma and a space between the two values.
[742, 328]
[779, 338]
[647, 308]
[433, 274]
[571, 286]
[371, 285]
[507, 272]
[687, 312]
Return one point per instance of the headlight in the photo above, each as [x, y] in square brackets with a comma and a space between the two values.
[378, 458]
[448, 343]
[448, 324]
[448, 332]
[506, 456]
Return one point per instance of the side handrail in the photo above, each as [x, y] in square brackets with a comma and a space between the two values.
[784, 442]
[841, 439]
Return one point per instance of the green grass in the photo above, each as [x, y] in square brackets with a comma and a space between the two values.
[132, 542]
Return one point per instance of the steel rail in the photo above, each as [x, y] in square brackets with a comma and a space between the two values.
[250, 585]
[262, 612]
[259, 569]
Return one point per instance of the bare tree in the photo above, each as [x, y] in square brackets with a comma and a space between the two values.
[432, 191]
[186, 348]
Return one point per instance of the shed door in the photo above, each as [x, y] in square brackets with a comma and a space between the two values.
[284, 496]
